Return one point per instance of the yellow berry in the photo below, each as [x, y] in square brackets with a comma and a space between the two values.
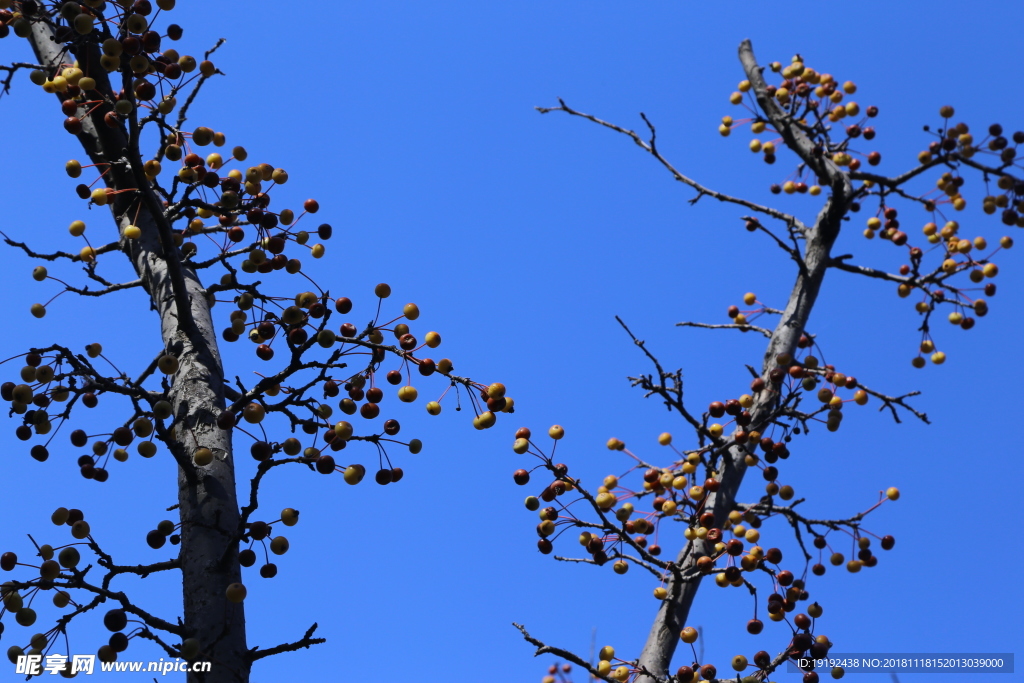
[235, 592]
[202, 457]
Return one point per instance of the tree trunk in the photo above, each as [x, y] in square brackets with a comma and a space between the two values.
[206, 495]
[672, 615]
[664, 636]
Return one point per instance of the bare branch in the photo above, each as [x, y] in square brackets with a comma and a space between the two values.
[183, 112]
[144, 570]
[6, 83]
[149, 635]
[839, 262]
[651, 149]
[106, 248]
[78, 581]
[794, 232]
[674, 396]
[640, 563]
[247, 511]
[899, 180]
[580, 560]
[1001, 170]
[732, 326]
[85, 291]
[892, 402]
[305, 642]
[543, 649]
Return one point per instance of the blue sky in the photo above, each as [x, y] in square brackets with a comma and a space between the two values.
[521, 236]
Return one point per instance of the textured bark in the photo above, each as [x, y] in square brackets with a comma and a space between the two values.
[672, 615]
[206, 496]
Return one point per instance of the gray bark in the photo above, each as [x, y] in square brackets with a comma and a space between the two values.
[672, 616]
[206, 495]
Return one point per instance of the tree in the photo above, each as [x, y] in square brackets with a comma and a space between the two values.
[948, 273]
[118, 83]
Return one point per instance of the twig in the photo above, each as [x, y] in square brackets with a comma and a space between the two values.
[183, 112]
[651, 149]
[794, 251]
[839, 263]
[891, 402]
[731, 326]
[6, 84]
[674, 396]
[85, 291]
[306, 641]
[908, 175]
[543, 649]
[111, 246]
